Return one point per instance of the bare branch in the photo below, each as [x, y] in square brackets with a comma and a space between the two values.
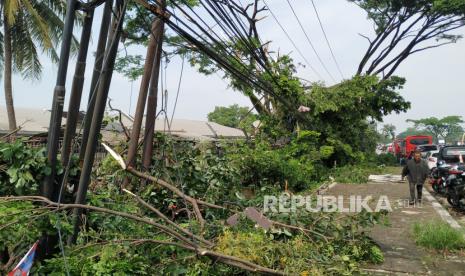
[167, 220]
[120, 118]
[185, 243]
[366, 37]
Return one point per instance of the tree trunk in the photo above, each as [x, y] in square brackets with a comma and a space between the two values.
[7, 81]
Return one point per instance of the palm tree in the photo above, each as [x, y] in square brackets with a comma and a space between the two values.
[29, 26]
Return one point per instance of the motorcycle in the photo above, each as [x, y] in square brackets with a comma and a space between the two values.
[455, 186]
[439, 177]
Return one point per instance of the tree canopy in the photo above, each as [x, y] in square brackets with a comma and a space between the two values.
[388, 133]
[232, 116]
[405, 27]
[413, 131]
[28, 27]
[447, 128]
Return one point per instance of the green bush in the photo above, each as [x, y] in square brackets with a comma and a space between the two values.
[386, 159]
[356, 174]
[438, 235]
[21, 168]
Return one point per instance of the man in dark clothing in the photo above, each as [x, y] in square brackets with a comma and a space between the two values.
[417, 171]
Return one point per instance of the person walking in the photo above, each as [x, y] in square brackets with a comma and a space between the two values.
[417, 172]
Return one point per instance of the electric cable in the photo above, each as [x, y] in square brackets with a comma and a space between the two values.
[309, 41]
[327, 40]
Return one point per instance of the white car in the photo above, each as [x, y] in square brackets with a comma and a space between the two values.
[432, 158]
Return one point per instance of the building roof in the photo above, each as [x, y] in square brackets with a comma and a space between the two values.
[33, 121]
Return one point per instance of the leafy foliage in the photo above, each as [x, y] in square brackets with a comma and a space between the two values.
[21, 168]
[357, 174]
[388, 133]
[217, 173]
[232, 116]
[413, 131]
[19, 231]
[448, 128]
[34, 25]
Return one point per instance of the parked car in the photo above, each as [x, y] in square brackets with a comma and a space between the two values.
[432, 158]
[427, 148]
[451, 155]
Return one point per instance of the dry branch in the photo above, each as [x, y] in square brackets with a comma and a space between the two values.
[195, 202]
[184, 242]
[167, 220]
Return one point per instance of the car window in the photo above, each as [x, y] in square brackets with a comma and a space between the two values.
[419, 141]
[453, 152]
[428, 148]
[435, 154]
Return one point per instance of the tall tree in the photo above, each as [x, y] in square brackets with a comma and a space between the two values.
[440, 128]
[389, 130]
[405, 27]
[412, 131]
[388, 133]
[233, 116]
[28, 26]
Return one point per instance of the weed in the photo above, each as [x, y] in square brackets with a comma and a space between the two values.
[438, 235]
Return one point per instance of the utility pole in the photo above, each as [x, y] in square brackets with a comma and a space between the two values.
[100, 103]
[76, 88]
[99, 56]
[152, 100]
[156, 38]
[58, 100]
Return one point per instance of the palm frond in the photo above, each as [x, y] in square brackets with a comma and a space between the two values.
[40, 23]
[11, 10]
[25, 56]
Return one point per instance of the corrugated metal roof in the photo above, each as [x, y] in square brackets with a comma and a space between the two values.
[29, 119]
[37, 120]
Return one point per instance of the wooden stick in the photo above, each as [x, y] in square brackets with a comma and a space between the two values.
[167, 220]
[186, 244]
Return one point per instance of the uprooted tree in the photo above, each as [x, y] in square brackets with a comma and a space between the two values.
[191, 195]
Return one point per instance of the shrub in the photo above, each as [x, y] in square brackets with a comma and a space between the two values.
[356, 174]
[386, 159]
[438, 235]
[21, 168]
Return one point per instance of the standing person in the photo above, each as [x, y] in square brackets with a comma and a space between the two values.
[417, 171]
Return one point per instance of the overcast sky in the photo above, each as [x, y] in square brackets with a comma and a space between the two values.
[435, 79]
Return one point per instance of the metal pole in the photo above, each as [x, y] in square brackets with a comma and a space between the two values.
[76, 89]
[100, 103]
[99, 55]
[152, 101]
[58, 99]
[141, 101]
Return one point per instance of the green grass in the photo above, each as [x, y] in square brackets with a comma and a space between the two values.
[438, 235]
[391, 170]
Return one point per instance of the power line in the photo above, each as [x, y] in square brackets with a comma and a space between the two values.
[291, 40]
[327, 40]
[309, 41]
[223, 53]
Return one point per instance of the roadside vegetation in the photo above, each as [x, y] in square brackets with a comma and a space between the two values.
[438, 235]
[185, 214]
[234, 174]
